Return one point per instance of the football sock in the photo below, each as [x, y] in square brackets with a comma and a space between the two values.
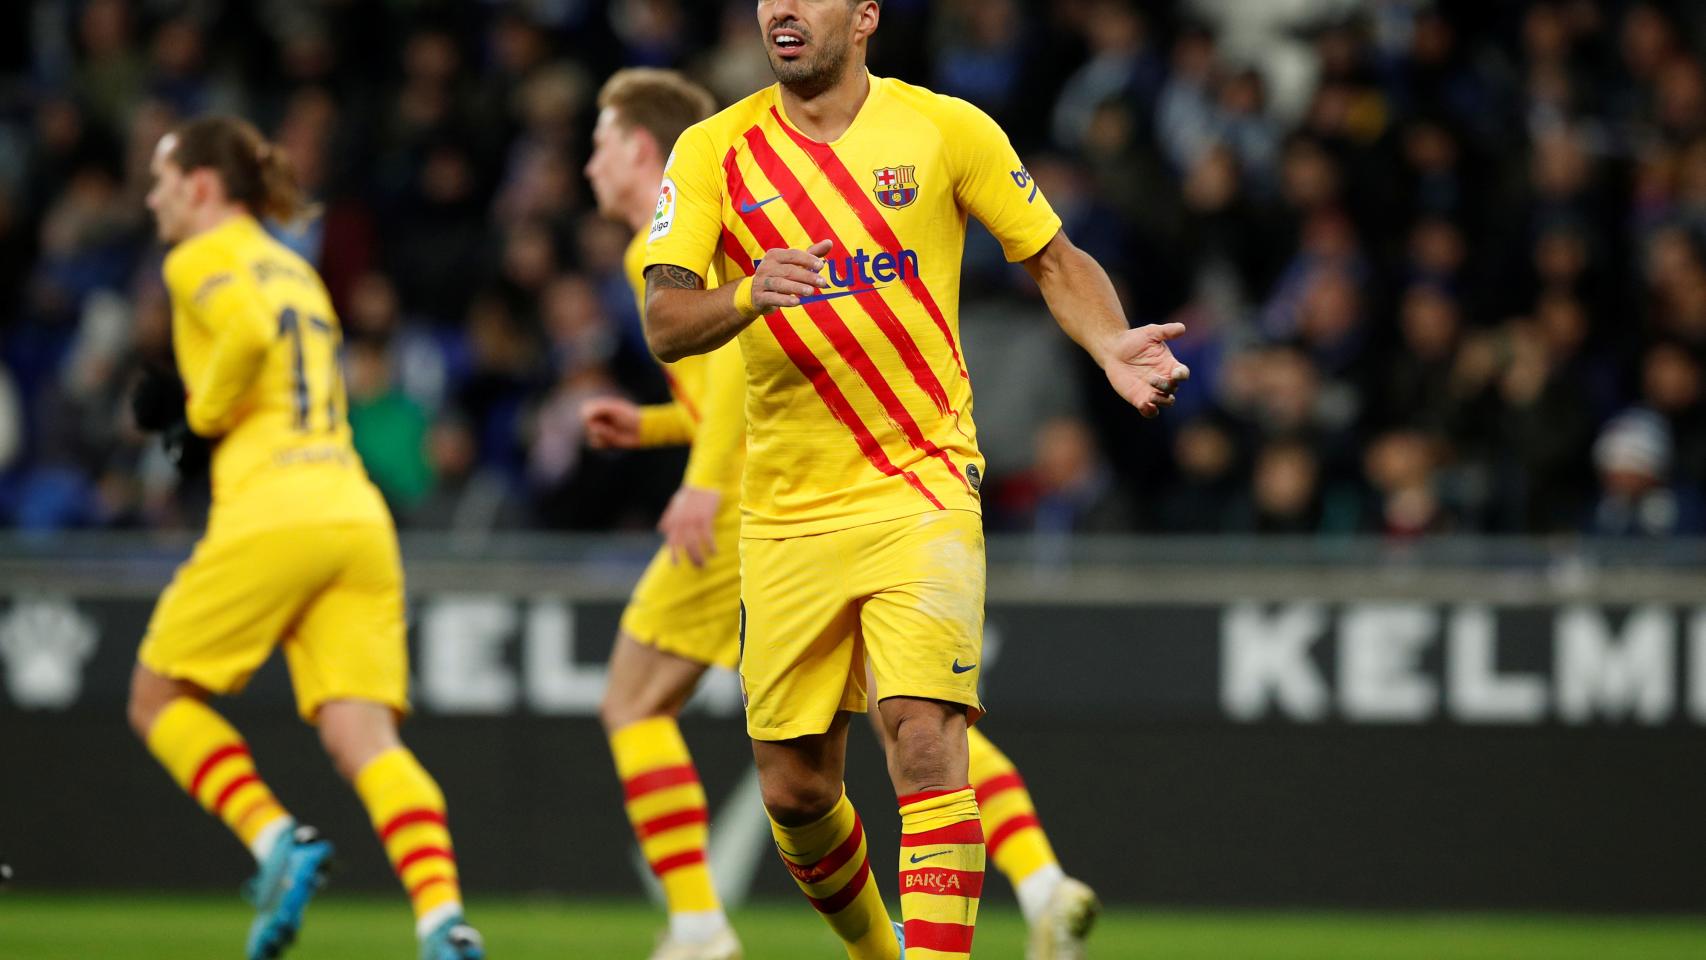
[666, 805]
[1017, 843]
[829, 861]
[941, 872]
[407, 810]
[211, 761]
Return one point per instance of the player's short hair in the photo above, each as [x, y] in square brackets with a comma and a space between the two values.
[661, 102]
[253, 171]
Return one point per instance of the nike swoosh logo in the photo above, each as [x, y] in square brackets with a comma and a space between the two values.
[750, 207]
[940, 853]
[816, 297]
[965, 669]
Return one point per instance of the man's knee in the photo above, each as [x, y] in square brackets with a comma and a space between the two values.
[150, 693]
[799, 801]
[928, 748]
[354, 732]
[645, 683]
[628, 706]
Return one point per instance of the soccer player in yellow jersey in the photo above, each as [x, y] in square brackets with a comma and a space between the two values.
[839, 199]
[685, 613]
[299, 550]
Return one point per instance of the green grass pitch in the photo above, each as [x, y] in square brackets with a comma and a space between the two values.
[99, 927]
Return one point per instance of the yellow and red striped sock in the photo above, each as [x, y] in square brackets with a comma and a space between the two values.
[211, 761]
[407, 810]
[666, 804]
[1015, 836]
[941, 872]
[830, 863]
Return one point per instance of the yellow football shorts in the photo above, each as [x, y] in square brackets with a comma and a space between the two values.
[905, 594]
[331, 594]
[692, 612]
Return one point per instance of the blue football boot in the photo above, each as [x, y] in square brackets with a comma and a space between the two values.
[453, 940]
[288, 878]
[900, 934]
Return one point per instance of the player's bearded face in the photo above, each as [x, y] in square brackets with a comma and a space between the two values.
[807, 57]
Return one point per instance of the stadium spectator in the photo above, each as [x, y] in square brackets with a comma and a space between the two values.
[389, 428]
[1637, 497]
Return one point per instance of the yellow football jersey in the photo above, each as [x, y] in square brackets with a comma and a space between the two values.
[257, 345]
[858, 402]
[708, 393]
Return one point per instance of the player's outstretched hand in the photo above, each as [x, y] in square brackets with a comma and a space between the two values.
[611, 422]
[689, 524]
[784, 276]
[1144, 370]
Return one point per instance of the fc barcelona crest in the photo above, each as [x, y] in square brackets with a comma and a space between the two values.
[896, 187]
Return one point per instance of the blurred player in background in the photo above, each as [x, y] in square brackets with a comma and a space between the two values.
[299, 550]
[840, 199]
[685, 612]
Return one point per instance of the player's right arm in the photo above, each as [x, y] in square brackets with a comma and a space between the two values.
[682, 317]
[617, 423]
[242, 331]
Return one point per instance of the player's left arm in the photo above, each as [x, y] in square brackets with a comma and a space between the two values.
[243, 332]
[993, 185]
[1137, 361]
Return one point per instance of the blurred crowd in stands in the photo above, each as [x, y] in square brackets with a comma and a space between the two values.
[1443, 261]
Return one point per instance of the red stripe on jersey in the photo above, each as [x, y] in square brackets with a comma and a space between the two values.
[829, 320]
[942, 882]
[409, 818]
[946, 937]
[680, 395]
[843, 898]
[736, 253]
[767, 236]
[671, 821]
[966, 831]
[1009, 827]
[810, 217]
[822, 869]
[662, 778]
[824, 156]
[214, 759]
[423, 853]
[676, 862]
[995, 786]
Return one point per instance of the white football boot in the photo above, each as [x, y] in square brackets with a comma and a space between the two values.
[724, 946]
[1064, 925]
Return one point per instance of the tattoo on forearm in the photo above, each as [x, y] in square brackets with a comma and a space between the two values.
[664, 276]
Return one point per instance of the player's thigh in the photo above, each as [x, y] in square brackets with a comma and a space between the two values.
[922, 618]
[226, 608]
[350, 643]
[801, 662]
[691, 611]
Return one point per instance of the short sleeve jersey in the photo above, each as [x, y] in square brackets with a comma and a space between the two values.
[257, 345]
[858, 401]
